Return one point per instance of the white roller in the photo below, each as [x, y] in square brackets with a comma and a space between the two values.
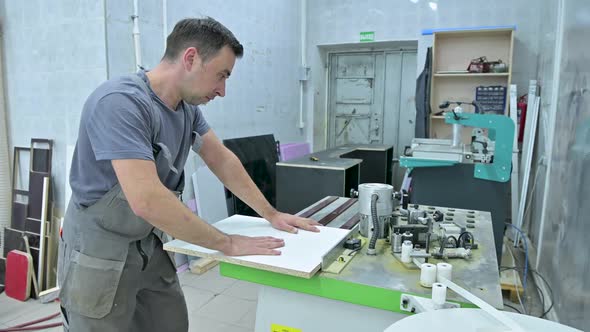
[406, 251]
[427, 274]
[439, 294]
[444, 270]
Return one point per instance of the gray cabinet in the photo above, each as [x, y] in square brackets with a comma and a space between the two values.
[332, 172]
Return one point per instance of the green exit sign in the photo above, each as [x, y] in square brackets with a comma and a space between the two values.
[367, 36]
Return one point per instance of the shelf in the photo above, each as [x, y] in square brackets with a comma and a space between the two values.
[485, 33]
[451, 54]
[473, 75]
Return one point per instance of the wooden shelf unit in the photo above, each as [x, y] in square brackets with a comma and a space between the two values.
[452, 51]
[472, 75]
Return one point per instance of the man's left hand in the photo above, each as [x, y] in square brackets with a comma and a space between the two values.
[290, 223]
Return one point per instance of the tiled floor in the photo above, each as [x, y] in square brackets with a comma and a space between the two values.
[214, 303]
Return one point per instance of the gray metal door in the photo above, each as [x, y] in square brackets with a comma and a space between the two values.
[371, 99]
[356, 98]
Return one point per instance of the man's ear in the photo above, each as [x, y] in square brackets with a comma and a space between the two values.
[191, 58]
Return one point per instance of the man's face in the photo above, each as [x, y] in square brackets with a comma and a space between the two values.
[205, 81]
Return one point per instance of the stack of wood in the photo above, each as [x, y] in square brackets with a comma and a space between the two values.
[32, 231]
[510, 282]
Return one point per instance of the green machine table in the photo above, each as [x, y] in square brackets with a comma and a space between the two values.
[366, 294]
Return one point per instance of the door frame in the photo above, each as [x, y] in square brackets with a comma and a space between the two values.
[330, 126]
[354, 49]
[319, 98]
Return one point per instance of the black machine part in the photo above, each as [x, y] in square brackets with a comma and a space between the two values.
[352, 244]
[438, 216]
[375, 234]
[448, 103]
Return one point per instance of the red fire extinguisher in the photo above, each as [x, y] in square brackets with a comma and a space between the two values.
[521, 106]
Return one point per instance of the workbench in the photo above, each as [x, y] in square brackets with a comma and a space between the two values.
[365, 295]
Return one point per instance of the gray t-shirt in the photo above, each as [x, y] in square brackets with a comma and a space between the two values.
[116, 123]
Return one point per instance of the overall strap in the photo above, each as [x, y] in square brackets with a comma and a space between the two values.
[157, 147]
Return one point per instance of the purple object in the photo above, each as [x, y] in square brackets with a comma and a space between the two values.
[182, 268]
[192, 205]
[293, 150]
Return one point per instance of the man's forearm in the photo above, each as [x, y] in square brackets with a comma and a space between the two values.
[230, 171]
[163, 210]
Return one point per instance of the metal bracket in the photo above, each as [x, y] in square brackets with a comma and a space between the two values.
[501, 131]
[337, 250]
[500, 140]
[411, 162]
[416, 304]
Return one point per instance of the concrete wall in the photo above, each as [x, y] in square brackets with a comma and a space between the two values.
[546, 81]
[558, 225]
[57, 52]
[340, 22]
[54, 56]
[262, 95]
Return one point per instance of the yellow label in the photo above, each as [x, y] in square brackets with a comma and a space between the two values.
[281, 328]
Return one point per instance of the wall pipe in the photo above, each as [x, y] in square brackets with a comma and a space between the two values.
[136, 34]
[303, 19]
[165, 21]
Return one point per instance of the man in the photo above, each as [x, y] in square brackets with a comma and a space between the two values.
[134, 138]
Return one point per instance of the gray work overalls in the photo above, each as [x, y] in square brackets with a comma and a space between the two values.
[112, 270]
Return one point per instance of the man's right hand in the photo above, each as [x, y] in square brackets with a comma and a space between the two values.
[239, 245]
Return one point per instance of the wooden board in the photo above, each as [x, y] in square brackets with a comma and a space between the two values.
[36, 194]
[313, 210]
[514, 178]
[510, 282]
[301, 256]
[339, 210]
[202, 265]
[43, 243]
[2, 273]
[49, 295]
[52, 236]
[32, 225]
[31, 269]
[19, 214]
[510, 286]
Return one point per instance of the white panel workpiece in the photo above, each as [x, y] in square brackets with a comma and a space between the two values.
[301, 256]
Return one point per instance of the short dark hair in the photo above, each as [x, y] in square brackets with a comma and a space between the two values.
[206, 34]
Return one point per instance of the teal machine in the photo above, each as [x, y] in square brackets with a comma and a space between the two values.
[491, 153]
[470, 175]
